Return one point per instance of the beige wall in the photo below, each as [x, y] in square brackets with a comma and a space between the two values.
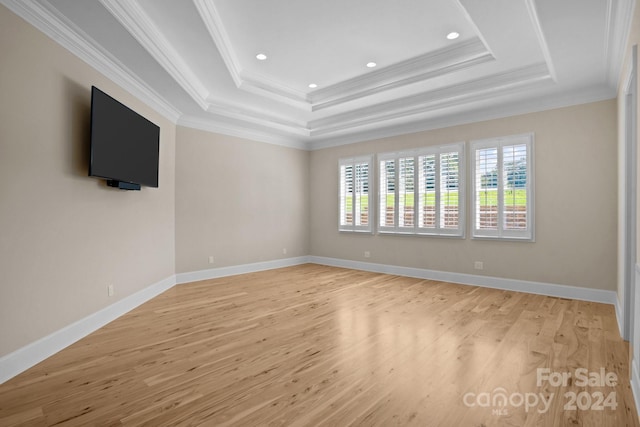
[576, 211]
[238, 200]
[64, 236]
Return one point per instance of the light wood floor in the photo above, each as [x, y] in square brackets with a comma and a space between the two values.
[314, 345]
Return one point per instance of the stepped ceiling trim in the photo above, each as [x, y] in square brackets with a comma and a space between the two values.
[450, 80]
[473, 90]
[619, 17]
[136, 21]
[463, 55]
[46, 18]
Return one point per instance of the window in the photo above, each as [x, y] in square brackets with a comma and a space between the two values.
[355, 178]
[502, 170]
[422, 191]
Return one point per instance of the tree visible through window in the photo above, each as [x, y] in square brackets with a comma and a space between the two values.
[422, 191]
[502, 193]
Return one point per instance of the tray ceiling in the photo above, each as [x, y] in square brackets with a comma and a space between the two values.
[196, 61]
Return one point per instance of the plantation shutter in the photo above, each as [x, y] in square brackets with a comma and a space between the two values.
[354, 201]
[449, 200]
[421, 191]
[387, 195]
[514, 187]
[503, 183]
[346, 195]
[486, 196]
[427, 195]
[406, 193]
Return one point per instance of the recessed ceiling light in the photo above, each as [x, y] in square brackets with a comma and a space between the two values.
[453, 35]
[261, 57]
[371, 64]
[313, 85]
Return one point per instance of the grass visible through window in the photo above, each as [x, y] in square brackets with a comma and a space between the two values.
[517, 197]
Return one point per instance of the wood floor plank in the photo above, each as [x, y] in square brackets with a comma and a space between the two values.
[314, 345]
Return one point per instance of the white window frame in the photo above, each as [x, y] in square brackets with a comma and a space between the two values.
[501, 233]
[353, 161]
[438, 230]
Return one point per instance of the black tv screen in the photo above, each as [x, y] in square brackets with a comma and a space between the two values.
[125, 146]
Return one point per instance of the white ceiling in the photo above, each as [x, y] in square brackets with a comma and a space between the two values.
[195, 61]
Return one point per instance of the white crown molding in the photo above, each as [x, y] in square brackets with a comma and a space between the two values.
[211, 18]
[240, 130]
[461, 56]
[48, 20]
[136, 21]
[537, 28]
[133, 18]
[355, 126]
[619, 18]
[454, 95]
[440, 62]
[244, 80]
[44, 17]
[562, 100]
[238, 121]
[260, 85]
[243, 130]
[257, 118]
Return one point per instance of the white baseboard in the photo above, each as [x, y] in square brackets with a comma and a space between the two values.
[24, 358]
[635, 383]
[28, 356]
[618, 307]
[215, 273]
[635, 361]
[548, 289]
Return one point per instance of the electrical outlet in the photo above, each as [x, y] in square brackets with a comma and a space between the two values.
[284, 251]
[110, 290]
[210, 259]
[478, 265]
[367, 254]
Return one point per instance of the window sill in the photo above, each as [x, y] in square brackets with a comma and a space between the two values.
[505, 238]
[356, 231]
[400, 233]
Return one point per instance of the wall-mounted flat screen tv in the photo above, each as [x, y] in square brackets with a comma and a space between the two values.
[125, 146]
